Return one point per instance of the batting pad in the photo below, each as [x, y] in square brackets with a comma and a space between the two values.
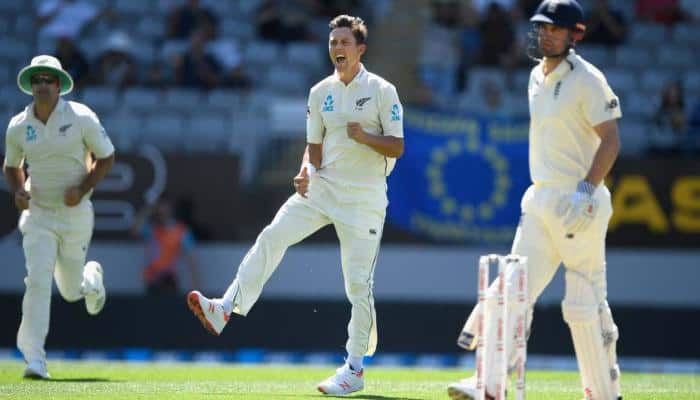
[580, 309]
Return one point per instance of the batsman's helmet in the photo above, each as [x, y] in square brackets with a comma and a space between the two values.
[563, 13]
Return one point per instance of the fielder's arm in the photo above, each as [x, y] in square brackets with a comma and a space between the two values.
[607, 152]
[15, 178]
[388, 146]
[98, 171]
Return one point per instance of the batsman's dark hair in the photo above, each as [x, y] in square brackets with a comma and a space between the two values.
[356, 25]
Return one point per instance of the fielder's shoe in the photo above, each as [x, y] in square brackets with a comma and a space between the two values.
[210, 311]
[345, 381]
[464, 390]
[94, 288]
[36, 370]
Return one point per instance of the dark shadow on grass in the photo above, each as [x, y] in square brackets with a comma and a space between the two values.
[369, 397]
[85, 380]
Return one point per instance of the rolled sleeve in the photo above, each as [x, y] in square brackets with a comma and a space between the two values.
[391, 112]
[600, 103]
[95, 137]
[314, 121]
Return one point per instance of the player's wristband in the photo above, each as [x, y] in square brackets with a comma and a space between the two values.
[585, 187]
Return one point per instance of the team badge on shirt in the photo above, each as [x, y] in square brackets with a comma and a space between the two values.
[359, 103]
[395, 114]
[328, 104]
[557, 89]
[30, 136]
[62, 130]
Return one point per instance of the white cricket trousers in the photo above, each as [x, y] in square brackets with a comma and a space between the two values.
[542, 238]
[358, 218]
[55, 242]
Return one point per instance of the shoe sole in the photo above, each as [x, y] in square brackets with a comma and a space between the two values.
[320, 389]
[35, 377]
[196, 308]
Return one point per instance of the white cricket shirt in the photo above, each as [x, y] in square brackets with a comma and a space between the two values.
[367, 99]
[564, 107]
[56, 152]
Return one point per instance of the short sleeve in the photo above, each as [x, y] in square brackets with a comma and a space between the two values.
[13, 150]
[314, 121]
[95, 137]
[391, 112]
[600, 104]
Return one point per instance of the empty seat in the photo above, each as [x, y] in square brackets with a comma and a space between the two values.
[163, 132]
[100, 98]
[262, 52]
[639, 107]
[141, 98]
[653, 80]
[125, 130]
[151, 27]
[183, 99]
[288, 117]
[691, 82]
[596, 55]
[207, 134]
[622, 79]
[286, 79]
[14, 49]
[634, 137]
[635, 57]
[675, 56]
[646, 33]
[236, 28]
[308, 55]
[686, 34]
[224, 99]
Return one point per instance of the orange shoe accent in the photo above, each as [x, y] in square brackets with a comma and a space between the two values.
[196, 308]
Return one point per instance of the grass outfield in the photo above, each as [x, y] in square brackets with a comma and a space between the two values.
[116, 380]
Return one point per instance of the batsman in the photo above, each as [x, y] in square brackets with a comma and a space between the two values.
[565, 212]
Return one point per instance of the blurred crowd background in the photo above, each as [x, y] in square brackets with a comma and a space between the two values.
[233, 75]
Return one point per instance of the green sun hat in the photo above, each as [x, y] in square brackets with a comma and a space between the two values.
[44, 63]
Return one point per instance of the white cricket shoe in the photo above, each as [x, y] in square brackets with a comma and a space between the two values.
[36, 370]
[345, 381]
[94, 288]
[210, 311]
[464, 390]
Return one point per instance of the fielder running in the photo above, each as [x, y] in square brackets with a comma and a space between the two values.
[573, 144]
[55, 137]
[355, 133]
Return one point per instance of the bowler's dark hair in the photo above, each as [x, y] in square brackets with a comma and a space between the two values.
[356, 25]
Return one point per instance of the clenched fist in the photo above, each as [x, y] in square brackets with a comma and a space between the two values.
[72, 196]
[22, 199]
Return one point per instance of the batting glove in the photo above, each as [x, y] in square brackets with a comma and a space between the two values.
[579, 208]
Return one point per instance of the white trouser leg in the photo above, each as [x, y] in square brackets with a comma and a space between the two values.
[533, 241]
[359, 249]
[40, 247]
[296, 219]
[585, 306]
[76, 231]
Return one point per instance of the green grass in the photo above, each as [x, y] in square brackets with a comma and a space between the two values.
[116, 380]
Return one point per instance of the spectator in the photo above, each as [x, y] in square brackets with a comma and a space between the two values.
[65, 18]
[670, 119]
[167, 240]
[498, 36]
[666, 12]
[191, 16]
[197, 68]
[72, 61]
[440, 51]
[283, 22]
[605, 25]
[115, 66]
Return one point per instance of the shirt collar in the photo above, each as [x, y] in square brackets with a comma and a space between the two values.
[60, 107]
[567, 65]
[358, 79]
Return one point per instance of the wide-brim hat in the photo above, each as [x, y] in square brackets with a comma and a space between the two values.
[44, 63]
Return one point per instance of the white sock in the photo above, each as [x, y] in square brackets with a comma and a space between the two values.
[228, 305]
[355, 362]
